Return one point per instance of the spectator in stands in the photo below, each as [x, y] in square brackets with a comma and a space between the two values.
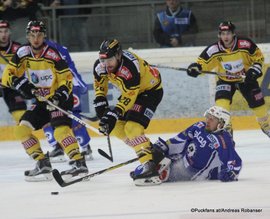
[19, 13]
[172, 23]
[75, 38]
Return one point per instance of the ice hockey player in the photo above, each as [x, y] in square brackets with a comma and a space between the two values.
[204, 151]
[80, 132]
[141, 92]
[13, 99]
[239, 56]
[38, 68]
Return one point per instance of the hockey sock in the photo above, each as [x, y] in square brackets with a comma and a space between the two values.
[30, 142]
[68, 142]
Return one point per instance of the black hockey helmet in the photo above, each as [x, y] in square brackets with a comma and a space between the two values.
[109, 48]
[38, 26]
[226, 26]
[4, 24]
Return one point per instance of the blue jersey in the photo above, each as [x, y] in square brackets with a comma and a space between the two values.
[175, 25]
[197, 154]
[77, 79]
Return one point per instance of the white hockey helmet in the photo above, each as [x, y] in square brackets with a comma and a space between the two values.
[221, 114]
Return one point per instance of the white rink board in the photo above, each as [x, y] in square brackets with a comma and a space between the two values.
[183, 96]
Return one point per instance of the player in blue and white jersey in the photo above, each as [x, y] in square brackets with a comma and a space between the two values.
[204, 151]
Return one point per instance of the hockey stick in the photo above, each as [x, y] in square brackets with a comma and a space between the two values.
[202, 72]
[70, 115]
[58, 178]
[92, 119]
[103, 153]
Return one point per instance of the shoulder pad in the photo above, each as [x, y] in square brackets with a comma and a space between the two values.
[23, 51]
[212, 50]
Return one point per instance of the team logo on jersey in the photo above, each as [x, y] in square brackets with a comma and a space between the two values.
[51, 54]
[124, 73]
[243, 44]
[34, 78]
[191, 150]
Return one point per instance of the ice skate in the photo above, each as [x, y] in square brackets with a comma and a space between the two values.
[42, 171]
[87, 153]
[79, 168]
[57, 155]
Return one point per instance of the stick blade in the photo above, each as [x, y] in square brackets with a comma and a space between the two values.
[104, 154]
[58, 178]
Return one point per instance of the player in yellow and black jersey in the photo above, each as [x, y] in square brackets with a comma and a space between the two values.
[237, 56]
[13, 99]
[39, 68]
[141, 92]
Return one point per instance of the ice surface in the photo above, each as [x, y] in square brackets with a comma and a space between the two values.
[113, 194]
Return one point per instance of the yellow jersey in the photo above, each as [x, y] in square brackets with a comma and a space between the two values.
[47, 71]
[236, 60]
[133, 77]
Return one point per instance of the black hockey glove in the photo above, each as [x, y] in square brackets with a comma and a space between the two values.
[227, 175]
[24, 86]
[194, 69]
[101, 105]
[253, 73]
[107, 122]
[59, 98]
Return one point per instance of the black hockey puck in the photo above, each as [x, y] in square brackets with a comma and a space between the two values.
[54, 193]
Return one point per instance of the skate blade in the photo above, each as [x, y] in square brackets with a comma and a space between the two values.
[152, 181]
[39, 178]
[58, 159]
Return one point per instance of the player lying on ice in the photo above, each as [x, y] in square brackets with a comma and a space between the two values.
[204, 151]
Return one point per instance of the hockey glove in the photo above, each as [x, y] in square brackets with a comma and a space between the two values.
[101, 105]
[227, 175]
[194, 69]
[107, 122]
[24, 86]
[59, 98]
[253, 73]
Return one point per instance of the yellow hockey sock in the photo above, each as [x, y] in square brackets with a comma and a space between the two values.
[68, 142]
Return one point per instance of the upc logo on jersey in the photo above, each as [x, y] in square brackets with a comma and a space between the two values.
[41, 78]
[233, 66]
